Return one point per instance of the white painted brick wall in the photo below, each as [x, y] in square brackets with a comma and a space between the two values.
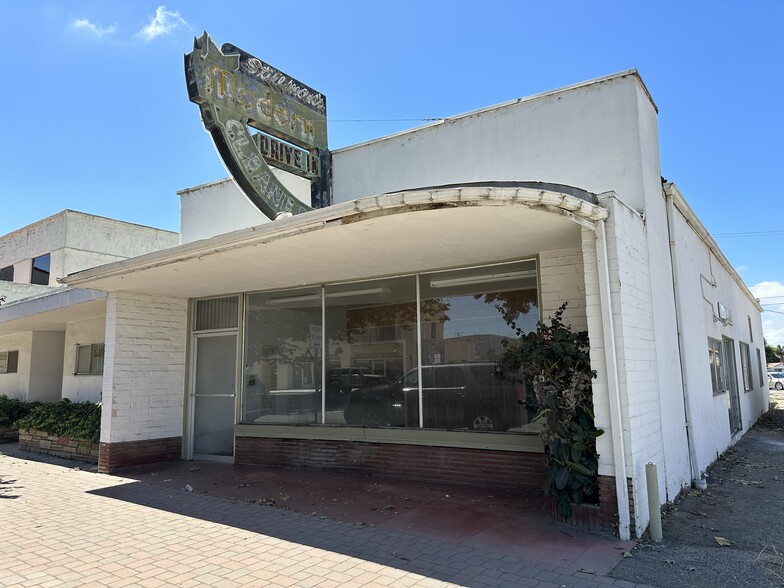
[635, 347]
[144, 374]
[561, 280]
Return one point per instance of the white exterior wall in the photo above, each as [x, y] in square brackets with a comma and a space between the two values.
[18, 248]
[77, 241]
[221, 207]
[94, 240]
[15, 385]
[561, 279]
[636, 353]
[673, 466]
[144, 373]
[588, 136]
[46, 366]
[702, 283]
[81, 388]
[39, 371]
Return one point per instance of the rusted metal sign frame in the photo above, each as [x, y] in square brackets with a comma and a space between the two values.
[235, 90]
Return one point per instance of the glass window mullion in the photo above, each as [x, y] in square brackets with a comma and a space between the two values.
[419, 352]
[324, 354]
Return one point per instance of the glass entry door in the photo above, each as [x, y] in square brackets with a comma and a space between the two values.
[213, 396]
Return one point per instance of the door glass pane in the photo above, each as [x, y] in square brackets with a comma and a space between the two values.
[213, 422]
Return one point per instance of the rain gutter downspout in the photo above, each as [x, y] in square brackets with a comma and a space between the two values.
[611, 364]
[696, 476]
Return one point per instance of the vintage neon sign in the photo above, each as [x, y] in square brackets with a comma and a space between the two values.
[235, 91]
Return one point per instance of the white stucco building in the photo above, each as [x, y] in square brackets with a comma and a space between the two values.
[52, 334]
[218, 348]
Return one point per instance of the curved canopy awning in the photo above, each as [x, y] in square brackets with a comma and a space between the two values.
[398, 233]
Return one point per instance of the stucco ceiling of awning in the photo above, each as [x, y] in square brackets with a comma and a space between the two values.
[366, 239]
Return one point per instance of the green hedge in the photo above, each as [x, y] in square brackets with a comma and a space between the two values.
[11, 410]
[77, 420]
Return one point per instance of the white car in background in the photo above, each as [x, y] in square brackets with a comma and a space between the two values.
[776, 380]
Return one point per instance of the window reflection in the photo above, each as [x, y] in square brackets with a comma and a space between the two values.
[372, 362]
[282, 359]
[467, 316]
[372, 341]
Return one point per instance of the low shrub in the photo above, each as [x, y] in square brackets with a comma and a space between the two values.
[76, 420]
[11, 410]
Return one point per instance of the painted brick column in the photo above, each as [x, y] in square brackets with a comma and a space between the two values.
[635, 349]
[143, 380]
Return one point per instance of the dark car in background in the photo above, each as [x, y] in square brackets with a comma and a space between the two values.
[345, 379]
[467, 396]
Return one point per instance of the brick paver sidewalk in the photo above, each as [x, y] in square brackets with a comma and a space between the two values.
[64, 527]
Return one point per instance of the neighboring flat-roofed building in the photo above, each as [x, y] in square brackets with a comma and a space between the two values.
[53, 335]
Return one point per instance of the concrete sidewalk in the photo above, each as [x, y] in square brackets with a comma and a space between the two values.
[69, 527]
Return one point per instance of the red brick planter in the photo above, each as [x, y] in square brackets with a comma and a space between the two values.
[46, 444]
[584, 516]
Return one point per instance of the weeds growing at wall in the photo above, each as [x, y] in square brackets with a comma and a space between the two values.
[555, 360]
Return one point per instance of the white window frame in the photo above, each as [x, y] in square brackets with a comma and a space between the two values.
[92, 370]
[759, 366]
[5, 357]
[715, 361]
[745, 366]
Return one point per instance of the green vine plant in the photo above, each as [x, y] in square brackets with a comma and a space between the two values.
[555, 360]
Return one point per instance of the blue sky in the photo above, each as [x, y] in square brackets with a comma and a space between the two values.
[95, 114]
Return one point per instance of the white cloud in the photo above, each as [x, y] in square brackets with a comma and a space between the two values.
[83, 24]
[163, 23]
[771, 296]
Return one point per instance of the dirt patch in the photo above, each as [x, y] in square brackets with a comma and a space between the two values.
[733, 533]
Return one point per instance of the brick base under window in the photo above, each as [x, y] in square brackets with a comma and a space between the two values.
[118, 456]
[499, 469]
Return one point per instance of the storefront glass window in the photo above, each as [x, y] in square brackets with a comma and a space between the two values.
[282, 358]
[466, 317]
[372, 342]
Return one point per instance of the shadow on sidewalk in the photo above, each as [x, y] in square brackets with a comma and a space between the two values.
[6, 487]
[441, 531]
